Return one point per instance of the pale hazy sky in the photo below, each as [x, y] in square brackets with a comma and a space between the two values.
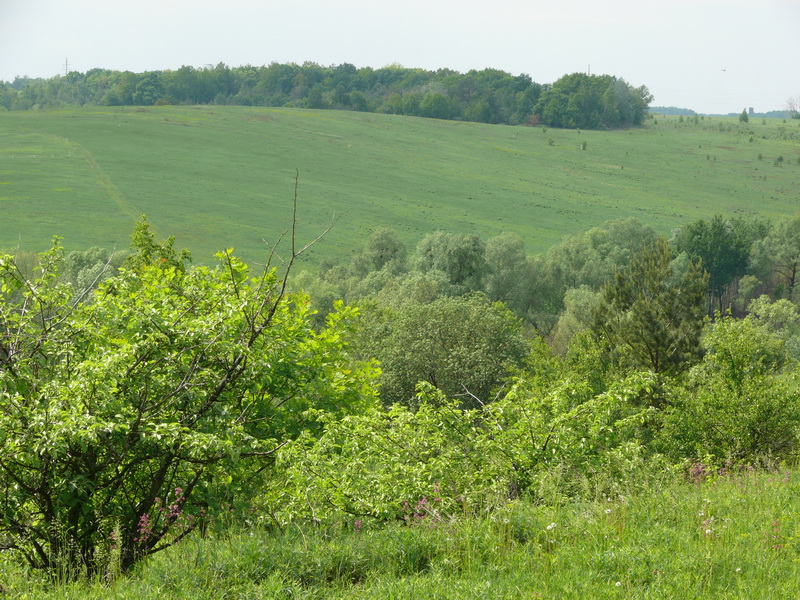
[708, 55]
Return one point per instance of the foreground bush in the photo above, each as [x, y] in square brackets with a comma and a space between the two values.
[127, 419]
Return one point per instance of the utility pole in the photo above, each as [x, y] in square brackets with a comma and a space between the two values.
[66, 67]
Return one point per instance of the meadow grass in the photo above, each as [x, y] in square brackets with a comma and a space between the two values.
[737, 536]
[216, 177]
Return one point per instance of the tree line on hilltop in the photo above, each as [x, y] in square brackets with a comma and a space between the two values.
[485, 96]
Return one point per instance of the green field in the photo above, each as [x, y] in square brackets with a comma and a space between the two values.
[216, 177]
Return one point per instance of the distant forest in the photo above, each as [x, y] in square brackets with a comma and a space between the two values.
[687, 112]
[487, 96]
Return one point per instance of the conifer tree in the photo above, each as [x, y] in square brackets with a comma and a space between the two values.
[651, 316]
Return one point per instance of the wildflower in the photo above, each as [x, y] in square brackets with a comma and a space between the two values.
[697, 473]
[551, 526]
[145, 528]
[436, 492]
[357, 525]
[608, 511]
[618, 584]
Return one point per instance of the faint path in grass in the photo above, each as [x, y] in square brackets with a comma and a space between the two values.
[107, 184]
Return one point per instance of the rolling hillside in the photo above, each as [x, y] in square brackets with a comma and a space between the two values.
[216, 177]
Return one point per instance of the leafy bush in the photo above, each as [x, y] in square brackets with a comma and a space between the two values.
[125, 421]
[439, 461]
[740, 402]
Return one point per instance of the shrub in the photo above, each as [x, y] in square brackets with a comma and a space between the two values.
[124, 421]
[740, 402]
[439, 462]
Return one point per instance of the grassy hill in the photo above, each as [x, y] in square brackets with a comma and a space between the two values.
[224, 176]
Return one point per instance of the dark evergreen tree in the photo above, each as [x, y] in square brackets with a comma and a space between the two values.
[650, 316]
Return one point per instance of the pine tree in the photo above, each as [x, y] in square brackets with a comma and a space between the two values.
[651, 316]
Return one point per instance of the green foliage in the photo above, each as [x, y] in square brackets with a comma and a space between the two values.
[148, 251]
[84, 271]
[129, 421]
[778, 254]
[488, 96]
[723, 246]
[144, 410]
[506, 269]
[461, 257]
[464, 346]
[587, 259]
[592, 102]
[591, 258]
[741, 402]
[383, 250]
[580, 306]
[438, 462]
[781, 318]
[651, 317]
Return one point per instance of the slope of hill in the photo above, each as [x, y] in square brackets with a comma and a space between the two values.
[224, 176]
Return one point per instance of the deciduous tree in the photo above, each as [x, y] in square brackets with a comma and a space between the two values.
[723, 246]
[464, 346]
[779, 253]
[462, 257]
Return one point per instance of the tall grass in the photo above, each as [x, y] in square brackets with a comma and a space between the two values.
[731, 536]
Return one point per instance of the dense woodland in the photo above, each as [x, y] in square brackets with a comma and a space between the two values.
[486, 96]
[143, 397]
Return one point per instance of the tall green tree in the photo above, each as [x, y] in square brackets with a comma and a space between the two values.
[85, 270]
[723, 246]
[464, 346]
[651, 317]
[507, 267]
[778, 254]
[383, 249]
[461, 257]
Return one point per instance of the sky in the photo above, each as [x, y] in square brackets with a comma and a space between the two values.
[711, 56]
